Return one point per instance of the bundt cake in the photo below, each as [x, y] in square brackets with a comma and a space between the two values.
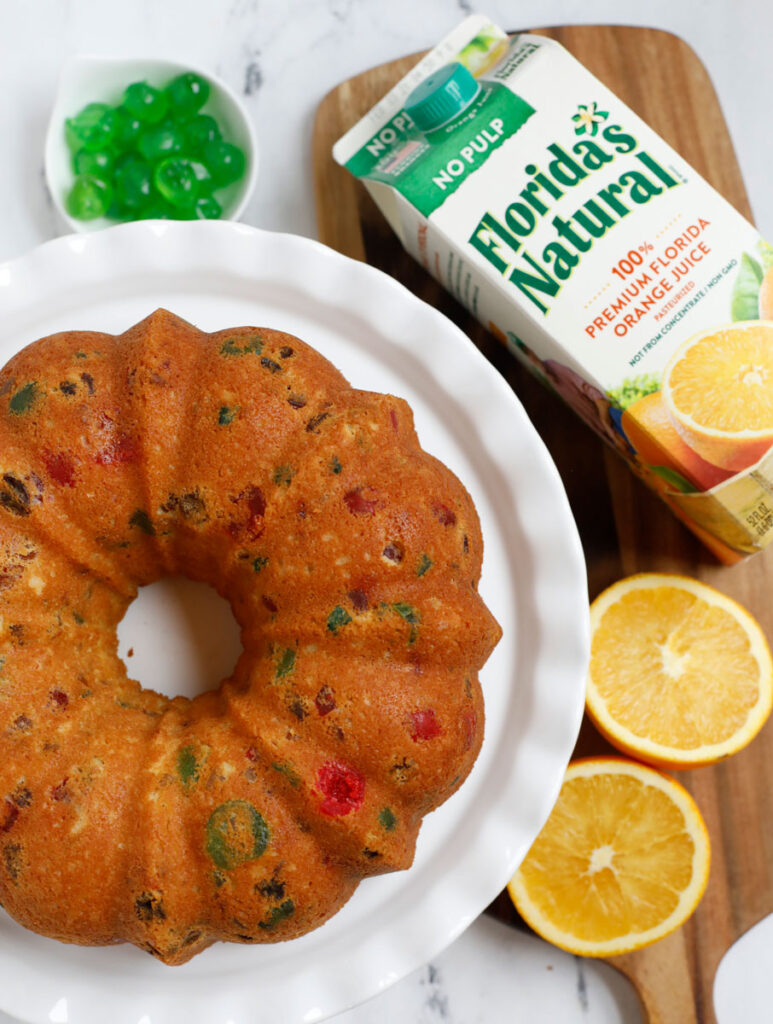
[350, 558]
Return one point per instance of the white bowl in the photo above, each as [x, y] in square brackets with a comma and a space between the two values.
[89, 79]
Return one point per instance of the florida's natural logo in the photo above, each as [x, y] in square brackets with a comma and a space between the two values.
[500, 236]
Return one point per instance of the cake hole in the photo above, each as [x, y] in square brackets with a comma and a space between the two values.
[179, 637]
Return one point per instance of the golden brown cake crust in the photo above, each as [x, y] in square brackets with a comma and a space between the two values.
[351, 560]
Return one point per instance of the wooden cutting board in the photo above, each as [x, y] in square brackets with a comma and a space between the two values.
[624, 527]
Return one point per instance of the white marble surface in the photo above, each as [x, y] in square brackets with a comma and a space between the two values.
[283, 56]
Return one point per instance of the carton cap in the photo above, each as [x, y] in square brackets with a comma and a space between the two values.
[441, 97]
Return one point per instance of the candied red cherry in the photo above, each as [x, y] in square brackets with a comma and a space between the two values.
[342, 788]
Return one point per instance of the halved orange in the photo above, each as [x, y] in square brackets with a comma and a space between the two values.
[718, 389]
[680, 675]
[622, 861]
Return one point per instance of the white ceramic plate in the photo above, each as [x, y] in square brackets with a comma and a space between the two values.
[219, 275]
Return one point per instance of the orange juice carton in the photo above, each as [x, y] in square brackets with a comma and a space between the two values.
[605, 263]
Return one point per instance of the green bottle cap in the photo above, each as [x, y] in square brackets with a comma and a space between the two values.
[441, 97]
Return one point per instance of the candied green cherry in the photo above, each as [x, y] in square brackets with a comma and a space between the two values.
[126, 156]
[236, 833]
[133, 181]
[225, 161]
[157, 209]
[118, 212]
[162, 141]
[98, 162]
[92, 128]
[89, 198]
[208, 208]
[128, 128]
[187, 93]
[147, 104]
[203, 176]
[200, 130]
[176, 181]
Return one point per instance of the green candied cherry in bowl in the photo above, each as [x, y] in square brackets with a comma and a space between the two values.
[148, 105]
[132, 184]
[161, 141]
[142, 139]
[128, 129]
[89, 198]
[187, 94]
[176, 182]
[93, 128]
[187, 187]
[208, 208]
[224, 161]
[199, 130]
[97, 162]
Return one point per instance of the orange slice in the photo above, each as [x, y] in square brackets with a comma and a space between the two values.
[718, 389]
[622, 861]
[680, 675]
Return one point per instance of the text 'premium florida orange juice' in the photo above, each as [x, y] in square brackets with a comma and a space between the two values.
[605, 262]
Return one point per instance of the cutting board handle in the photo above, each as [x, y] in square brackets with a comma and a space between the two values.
[664, 981]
